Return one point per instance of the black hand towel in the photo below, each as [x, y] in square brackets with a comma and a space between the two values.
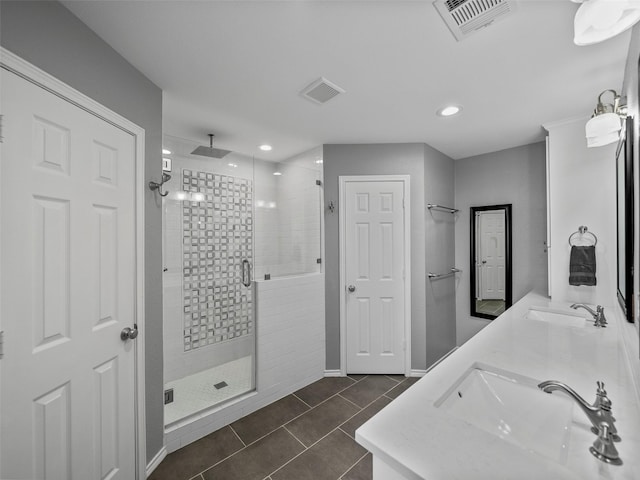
[582, 265]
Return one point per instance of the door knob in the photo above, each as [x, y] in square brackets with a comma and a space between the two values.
[351, 288]
[484, 261]
[129, 333]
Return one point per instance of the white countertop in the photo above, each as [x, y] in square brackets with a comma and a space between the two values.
[420, 441]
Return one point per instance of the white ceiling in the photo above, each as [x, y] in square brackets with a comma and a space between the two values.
[235, 68]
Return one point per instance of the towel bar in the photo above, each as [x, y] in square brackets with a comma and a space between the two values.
[441, 207]
[453, 271]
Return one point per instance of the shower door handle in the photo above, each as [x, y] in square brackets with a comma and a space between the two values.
[246, 273]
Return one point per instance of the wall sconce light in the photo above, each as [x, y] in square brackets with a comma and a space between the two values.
[606, 122]
[600, 20]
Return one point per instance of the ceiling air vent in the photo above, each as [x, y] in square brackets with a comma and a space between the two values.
[463, 17]
[321, 91]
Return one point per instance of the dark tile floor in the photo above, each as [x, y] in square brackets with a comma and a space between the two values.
[306, 435]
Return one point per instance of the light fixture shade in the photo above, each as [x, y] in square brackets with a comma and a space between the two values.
[603, 124]
[603, 129]
[600, 20]
[602, 140]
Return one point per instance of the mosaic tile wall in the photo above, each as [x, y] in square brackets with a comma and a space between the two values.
[217, 228]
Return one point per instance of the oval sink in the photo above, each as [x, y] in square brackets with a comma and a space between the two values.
[511, 407]
[562, 319]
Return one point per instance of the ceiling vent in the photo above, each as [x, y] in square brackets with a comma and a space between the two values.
[464, 17]
[321, 91]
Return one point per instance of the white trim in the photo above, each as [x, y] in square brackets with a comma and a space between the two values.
[333, 373]
[437, 362]
[406, 180]
[155, 461]
[417, 373]
[564, 121]
[33, 74]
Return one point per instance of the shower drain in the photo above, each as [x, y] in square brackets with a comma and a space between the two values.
[221, 385]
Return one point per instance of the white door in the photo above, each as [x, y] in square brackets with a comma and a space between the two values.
[68, 289]
[492, 255]
[374, 259]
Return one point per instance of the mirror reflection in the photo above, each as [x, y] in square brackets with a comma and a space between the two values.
[490, 260]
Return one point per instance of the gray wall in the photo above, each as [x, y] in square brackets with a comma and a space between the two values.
[385, 159]
[516, 176]
[49, 36]
[440, 294]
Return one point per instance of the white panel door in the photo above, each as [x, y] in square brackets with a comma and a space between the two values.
[68, 289]
[374, 263]
[492, 250]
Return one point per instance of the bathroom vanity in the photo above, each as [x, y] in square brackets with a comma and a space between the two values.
[479, 414]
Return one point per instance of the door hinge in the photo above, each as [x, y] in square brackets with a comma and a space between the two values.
[319, 182]
[1, 344]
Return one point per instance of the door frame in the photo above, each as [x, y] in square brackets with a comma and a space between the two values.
[13, 63]
[406, 181]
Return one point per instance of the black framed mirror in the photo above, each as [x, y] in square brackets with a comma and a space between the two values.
[624, 207]
[490, 264]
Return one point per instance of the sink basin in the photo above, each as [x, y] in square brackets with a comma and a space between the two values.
[511, 406]
[562, 319]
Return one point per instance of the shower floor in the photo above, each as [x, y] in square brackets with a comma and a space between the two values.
[198, 392]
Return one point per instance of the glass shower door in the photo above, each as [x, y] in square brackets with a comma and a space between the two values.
[209, 325]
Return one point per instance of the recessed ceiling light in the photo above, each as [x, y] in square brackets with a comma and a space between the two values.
[166, 152]
[449, 110]
[266, 148]
[277, 174]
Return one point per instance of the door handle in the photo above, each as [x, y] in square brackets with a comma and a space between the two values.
[351, 288]
[484, 261]
[246, 273]
[129, 333]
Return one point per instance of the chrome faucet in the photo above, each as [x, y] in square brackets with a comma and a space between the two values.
[598, 315]
[597, 413]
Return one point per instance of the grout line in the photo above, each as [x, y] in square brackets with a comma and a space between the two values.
[236, 433]
[351, 467]
[340, 428]
[397, 381]
[291, 433]
[302, 400]
[306, 448]
[352, 403]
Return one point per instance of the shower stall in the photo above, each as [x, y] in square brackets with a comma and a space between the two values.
[229, 224]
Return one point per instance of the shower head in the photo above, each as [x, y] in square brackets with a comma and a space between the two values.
[210, 151]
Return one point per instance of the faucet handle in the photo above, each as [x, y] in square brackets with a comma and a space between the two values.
[601, 320]
[602, 400]
[603, 447]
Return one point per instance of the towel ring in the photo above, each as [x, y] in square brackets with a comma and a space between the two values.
[581, 231]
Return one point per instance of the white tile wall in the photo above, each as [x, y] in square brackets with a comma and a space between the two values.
[290, 352]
